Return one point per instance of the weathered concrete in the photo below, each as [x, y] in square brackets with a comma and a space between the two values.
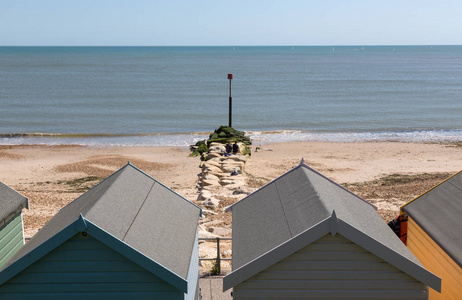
[211, 288]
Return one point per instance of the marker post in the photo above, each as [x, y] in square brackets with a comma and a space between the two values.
[230, 77]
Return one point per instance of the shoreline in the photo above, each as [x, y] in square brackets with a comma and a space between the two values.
[175, 139]
[52, 176]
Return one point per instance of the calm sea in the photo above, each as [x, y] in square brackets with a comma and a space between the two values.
[176, 95]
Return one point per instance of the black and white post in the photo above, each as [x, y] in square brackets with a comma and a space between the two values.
[230, 77]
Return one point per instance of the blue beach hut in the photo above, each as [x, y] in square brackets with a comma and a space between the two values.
[11, 224]
[129, 237]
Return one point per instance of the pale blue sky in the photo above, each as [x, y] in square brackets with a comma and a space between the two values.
[232, 22]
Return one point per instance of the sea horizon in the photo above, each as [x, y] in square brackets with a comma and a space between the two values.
[175, 95]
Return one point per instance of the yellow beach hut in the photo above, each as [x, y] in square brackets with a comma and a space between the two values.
[434, 234]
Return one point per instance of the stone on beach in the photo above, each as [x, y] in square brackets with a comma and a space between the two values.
[208, 223]
[221, 231]
[232, 181]
[212, 170]
[231, 168]
[209, 163]
[237, 158]
[205, 195]
[207, 187]
[206, 182]
[228, 176]
[211, 203]
[207, 234]
[229, 161]
[207, 212]
[240, 191]
[233, 186]
[221, 174]
[213, 155]
[216, 147]
[217, 159]
[211, 177]
[215, 144]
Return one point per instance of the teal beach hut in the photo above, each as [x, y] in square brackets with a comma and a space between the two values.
[129, 237]
[11, 224]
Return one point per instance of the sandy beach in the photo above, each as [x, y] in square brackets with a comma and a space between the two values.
[387, 174]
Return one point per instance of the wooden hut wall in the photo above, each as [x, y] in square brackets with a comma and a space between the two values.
[436, 261]
[193, 274]
[85, 267]
[11, 238]
[331, 268]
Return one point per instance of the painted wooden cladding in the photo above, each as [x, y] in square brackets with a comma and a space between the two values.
[84, 267]
[11, 239]
[436, 261]
[331, 268]
[193, 274]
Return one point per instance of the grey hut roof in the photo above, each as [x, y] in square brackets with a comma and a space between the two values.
[11, 203]
[136, 209]
[439, 213]
[301, 206]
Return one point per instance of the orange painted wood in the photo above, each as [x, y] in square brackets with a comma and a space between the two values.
[436, 261]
